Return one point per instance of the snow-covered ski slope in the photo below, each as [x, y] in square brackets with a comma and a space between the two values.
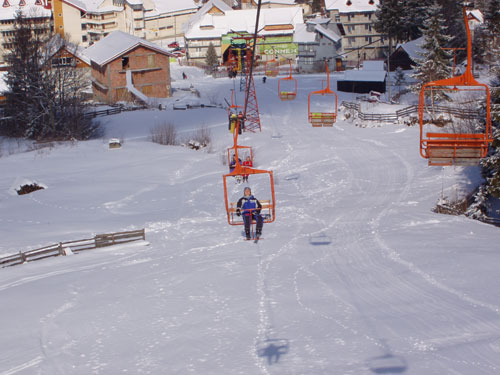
[356, 275]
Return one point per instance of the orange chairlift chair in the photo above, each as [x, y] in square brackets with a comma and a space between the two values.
[459, 135]
[287, 87]
[272, 67]
[243, 151]
[268, 202]
[322, 117]
[232, 113]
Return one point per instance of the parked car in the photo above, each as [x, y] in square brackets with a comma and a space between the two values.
[173, 45]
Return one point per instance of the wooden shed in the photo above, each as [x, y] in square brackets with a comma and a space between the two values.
[125, 67]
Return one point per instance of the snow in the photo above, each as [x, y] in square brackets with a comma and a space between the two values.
[356, 276]
[29, 10]
[244, 21]
[116, 44]
[355, 7]
[413, 48]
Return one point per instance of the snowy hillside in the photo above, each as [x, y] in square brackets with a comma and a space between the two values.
[356, 276]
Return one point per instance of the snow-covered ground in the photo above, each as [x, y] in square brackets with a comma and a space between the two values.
[355, 276]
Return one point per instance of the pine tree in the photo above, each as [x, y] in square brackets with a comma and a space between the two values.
[24, 77]
[401, 19]
[211, 58]
[435, 63]
[492, 24]
[400, 78]
[491, 164]
[43, 102]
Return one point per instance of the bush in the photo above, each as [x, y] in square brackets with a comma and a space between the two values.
[164, 134]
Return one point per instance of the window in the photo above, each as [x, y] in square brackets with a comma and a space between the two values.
[368, 39]
[84, 38]
[125, 62]
[151, 61]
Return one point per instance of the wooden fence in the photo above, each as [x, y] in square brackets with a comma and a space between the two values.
[405, 112]
[100, 240]
[110, 111]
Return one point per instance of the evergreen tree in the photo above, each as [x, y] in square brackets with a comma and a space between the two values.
[492, 24]
[435, 63]
[452, 14]
[316, 6]
[400, 78]
[401, 19]
[43, 102]
[211, 58]
[491, 164]
[24, 77]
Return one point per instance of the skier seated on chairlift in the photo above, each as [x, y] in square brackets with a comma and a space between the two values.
[232, 121]
[241, 120]
[232, 164]
[250, 207]
[247, 163]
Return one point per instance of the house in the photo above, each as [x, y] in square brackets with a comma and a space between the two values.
[37, 11]
[87, 21]
[361, 41]
[125, 67]
[318, 40]
[371, 77]
[475, 18]
[276, 25]
[406, 54]
[64, 53]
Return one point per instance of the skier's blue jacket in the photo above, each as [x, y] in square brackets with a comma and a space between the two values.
[250, 203]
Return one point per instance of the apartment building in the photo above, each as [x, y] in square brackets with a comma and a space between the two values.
[361, 41]
[38, 11]
[88, 21]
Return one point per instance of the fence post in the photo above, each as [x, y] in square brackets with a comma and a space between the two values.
[60, 248]
[23, 257]
[144, 234]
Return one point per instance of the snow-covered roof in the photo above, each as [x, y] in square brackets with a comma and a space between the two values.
[57, 42]
[319, 21]
[244, 21]
[364, 76]
[169, 6]
[3, 85]
[284, 2]
[355, 7]
[222, 6]
[330, 34]
[117, 43]
[301, 35]
[477, 14]
[372, 71]
[159, 6]
[412, 48]
[30, 10]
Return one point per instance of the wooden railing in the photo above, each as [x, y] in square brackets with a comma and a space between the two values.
[100, 240]
[110, 111]
[404, 112]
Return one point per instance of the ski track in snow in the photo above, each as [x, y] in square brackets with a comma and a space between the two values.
[348, 305]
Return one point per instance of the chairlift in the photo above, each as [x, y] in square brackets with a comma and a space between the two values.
[317, 115]
[287, 87]
[243, 153]
[265, 182]
[232, 113]
[272, 67]
[459, 134]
